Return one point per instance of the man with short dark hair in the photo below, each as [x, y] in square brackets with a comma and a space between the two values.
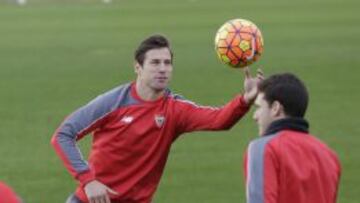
[287, 164]
[133, 128]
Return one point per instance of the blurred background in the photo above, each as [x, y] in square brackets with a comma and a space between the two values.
[56, 55]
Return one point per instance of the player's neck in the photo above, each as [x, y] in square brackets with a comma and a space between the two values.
[146, 93]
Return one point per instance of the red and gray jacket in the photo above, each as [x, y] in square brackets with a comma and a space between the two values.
[290, 165]
[132, 138]
[7, 195]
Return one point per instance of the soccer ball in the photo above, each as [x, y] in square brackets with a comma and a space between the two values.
[238, 43]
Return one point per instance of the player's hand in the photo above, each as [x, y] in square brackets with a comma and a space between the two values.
[251, 85]
[97, 192]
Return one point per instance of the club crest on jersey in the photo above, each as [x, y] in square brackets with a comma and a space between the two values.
[127, 119]
[159, 120]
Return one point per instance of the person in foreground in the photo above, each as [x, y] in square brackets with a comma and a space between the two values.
[287, 164]
[7, 194]
[133, 127]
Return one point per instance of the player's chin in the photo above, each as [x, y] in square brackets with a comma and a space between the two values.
[160, 86]
[160, 82]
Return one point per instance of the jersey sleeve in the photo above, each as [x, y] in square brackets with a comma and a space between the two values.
[83, 121]
[192, 117]
[261, 173]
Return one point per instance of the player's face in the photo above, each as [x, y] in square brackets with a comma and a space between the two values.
[156, 70]
[263, 113]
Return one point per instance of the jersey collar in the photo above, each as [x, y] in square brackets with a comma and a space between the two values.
[296, 124]
[135, 95]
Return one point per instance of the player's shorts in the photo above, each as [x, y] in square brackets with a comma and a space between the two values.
[73, 199]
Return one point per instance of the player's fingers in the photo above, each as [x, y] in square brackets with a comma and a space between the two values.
[260, 72]
[92, 200]
[260, 77]
[97, 199]
[107, 199]
[111, 191]
[101, 199]
[247, 72]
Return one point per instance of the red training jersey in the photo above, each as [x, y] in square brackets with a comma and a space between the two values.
[290, 165]
[132, 138]
[7, 195]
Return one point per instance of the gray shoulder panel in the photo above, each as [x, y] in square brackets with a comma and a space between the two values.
[86, 117]
[96, 109]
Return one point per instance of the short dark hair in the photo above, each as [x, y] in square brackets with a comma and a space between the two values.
[287, 89]
[156, 41]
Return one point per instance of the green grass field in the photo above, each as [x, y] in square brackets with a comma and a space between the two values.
[57, 55]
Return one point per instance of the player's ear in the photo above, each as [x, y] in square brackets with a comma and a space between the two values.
[277, 109]
[137, 67]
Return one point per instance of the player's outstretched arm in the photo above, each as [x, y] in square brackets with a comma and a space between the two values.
[195, 117]
[97, 192]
